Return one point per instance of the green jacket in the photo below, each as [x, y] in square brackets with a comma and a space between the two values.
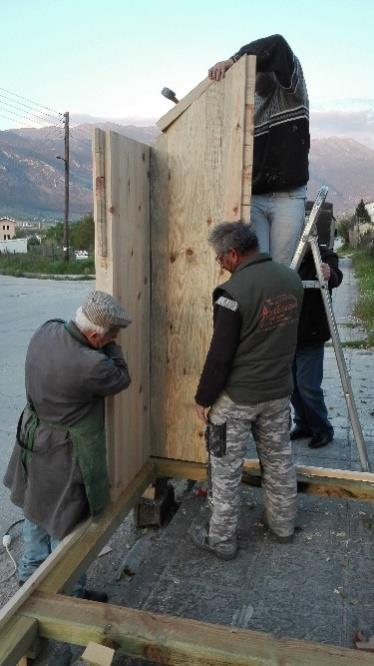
[269, 297]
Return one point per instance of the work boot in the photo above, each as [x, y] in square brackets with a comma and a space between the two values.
[225, 550]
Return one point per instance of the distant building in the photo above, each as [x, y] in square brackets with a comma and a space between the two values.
[14, 246]
[7, 228]
[370, 209]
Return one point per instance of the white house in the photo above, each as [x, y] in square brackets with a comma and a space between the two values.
[15, 246]
[370, 209]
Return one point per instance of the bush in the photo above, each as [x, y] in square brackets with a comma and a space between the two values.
[343, 226]
[19, 264]
[363, 265]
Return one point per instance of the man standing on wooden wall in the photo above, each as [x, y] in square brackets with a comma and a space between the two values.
[58, 471]
[247, 382]
[281, 145]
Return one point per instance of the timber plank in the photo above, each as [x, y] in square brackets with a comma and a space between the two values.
[16, 637]
[342, 484]
[160, 276]
[177, 641]
[98, 146]
[42, 572]
[233, 129]
[129, 192]
[248, 138]
[124, 271]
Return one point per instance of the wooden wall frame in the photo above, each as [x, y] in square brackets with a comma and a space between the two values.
[142, 211]
[38, 609]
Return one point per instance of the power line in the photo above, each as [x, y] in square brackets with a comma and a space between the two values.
[13, 109]
[21, 125]
[17, 114]
[31, 109]
[21, 114]
[47, 108]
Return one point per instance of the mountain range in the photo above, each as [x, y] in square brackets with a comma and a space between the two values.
[32, 179]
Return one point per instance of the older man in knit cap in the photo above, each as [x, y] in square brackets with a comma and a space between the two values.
[58, 472]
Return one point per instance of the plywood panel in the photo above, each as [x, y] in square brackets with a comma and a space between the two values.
[174, 113]
[125, 272]
[197, 182]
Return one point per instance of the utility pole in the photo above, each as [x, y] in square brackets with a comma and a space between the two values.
[66, 208]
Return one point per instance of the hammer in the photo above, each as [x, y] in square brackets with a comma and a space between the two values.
[169, 94]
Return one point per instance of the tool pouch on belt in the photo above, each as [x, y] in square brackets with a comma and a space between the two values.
[215, 438]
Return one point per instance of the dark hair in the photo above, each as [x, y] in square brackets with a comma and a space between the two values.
[237, 236]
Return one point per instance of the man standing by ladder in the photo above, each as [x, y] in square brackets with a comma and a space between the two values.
[310, 412]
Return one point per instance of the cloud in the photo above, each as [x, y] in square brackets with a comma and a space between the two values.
[355, 124]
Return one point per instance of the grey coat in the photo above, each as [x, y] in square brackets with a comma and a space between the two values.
[65, 380]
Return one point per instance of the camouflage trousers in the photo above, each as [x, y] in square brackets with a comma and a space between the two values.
[269, 423]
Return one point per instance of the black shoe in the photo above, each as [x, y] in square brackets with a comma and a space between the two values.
[318, 441]
[93, 595]
[300, 433]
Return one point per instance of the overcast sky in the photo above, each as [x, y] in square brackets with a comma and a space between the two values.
[112, 58]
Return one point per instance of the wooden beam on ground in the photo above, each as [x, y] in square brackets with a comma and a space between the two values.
[342, 484]
[176, 641]
[16, 640]
[16, 601]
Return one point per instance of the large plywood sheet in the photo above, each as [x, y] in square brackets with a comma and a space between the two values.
[200, 176]
[121, 182]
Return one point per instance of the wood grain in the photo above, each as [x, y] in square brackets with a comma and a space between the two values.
[342, 484]
[177, 641]
[177, 110]
[197, 183]
[125, 273]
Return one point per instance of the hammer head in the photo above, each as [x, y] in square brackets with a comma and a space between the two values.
[169, 94]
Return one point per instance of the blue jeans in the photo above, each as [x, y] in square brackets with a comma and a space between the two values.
[37, 546]
[278, 219]
[307, 397]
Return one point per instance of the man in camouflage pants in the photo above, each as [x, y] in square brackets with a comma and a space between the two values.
[246, 385]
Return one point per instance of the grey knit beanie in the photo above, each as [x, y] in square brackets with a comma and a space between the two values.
[103, 310]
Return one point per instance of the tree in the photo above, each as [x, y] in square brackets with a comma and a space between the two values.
[82, 234]
[361, 213]
[55, 233]
[33, 241]
[343, 226]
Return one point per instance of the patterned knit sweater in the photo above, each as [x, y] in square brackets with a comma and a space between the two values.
[281, 120]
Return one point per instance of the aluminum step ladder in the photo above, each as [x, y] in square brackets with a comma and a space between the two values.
[310, 237]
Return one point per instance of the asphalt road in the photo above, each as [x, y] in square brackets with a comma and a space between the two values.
[24, 305]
